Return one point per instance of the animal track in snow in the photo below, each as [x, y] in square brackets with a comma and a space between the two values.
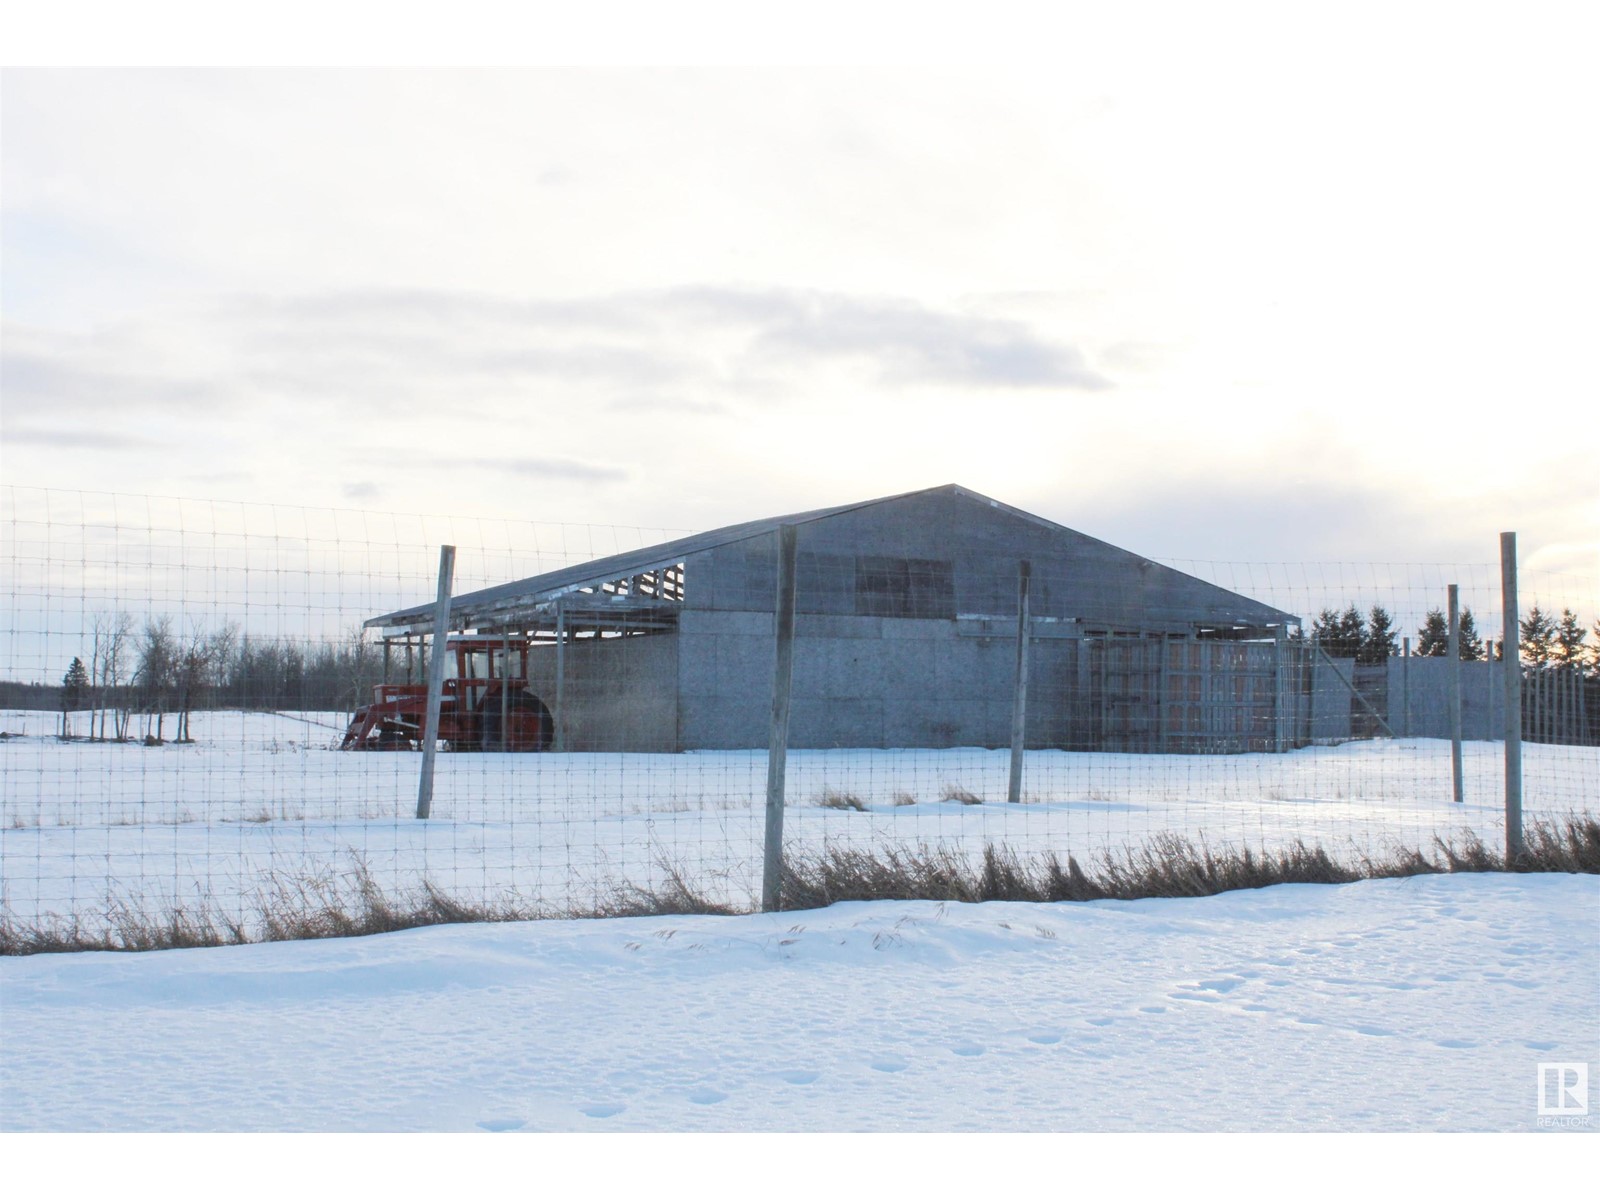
[601, 1111]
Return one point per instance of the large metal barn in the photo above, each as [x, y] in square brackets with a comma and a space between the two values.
[906, 635]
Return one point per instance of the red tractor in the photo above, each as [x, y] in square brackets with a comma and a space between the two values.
[484, 706]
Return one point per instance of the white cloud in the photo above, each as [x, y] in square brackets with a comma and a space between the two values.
[741, 292]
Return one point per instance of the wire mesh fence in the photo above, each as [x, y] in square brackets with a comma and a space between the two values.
[210, 708]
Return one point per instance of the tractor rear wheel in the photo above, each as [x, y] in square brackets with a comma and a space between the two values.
[528, 724]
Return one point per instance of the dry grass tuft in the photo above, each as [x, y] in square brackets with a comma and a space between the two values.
[843, 800]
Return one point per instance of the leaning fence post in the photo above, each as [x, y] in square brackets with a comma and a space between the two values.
[1019, 702]
[778, 736]
[1511, 667]
[1453, 649]
[430, 724]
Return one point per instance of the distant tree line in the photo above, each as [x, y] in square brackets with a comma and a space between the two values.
[155, 673]
[1544, 640]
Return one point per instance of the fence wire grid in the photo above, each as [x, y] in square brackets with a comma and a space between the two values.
[204, 705]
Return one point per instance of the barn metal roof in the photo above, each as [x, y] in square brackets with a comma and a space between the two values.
[492, 606]
[538, 589]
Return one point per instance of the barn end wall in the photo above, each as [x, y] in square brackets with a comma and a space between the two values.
[1074, 576]
[619, 693]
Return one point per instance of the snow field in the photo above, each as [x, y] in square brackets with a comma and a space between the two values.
[262, 801]
[1414, 1004]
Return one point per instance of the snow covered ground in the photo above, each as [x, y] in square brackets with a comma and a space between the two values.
[1416, 1004]
[262, 798]
[1420, 1004]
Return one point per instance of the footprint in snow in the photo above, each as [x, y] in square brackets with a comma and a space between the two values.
[601, 1110]
[706, 1095]
[501, 1124]
[1373, 1030]
[798, 1077]
[1455, 1044]
[1044, 1039]
[967, 1049]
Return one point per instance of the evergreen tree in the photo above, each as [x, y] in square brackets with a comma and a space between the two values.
[1471, 643]
[1325, 628]
[1340, 634]
[74, 692]
[1378, 644]
[1538, 630]
[1433, 639]
[74, 686]
[1352, 632]
[1569, 637]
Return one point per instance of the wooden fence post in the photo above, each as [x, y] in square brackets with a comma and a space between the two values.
[430, 725]
[1019, 702]
[778, 733]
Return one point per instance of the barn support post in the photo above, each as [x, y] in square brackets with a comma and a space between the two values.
[778, 737]
[1511, 673]
[1019, 700]
[505, 689]
[430, 728]
[560, 739]
[1453, 649]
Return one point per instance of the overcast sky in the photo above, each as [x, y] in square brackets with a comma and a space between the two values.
[1268, 292]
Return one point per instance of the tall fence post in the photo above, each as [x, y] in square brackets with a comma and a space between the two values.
[1019, 701]
[778, 737]
[1453, 649]
[430, 726]
[1280, 689]
[1405, 687]
[1511, 666]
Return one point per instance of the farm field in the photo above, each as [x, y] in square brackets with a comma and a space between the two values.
[261, 802]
